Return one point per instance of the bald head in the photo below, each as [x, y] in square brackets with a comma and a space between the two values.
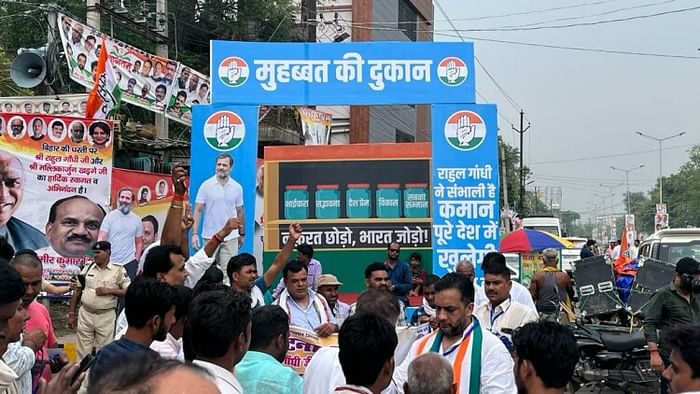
[430, 373]
[467, 268]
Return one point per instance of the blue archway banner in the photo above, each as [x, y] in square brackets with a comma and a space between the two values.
[465, 186]
[358, 73]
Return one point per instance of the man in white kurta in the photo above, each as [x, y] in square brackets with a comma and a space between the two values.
[480, 361]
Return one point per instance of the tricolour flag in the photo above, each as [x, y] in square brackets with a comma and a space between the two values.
[105, 96]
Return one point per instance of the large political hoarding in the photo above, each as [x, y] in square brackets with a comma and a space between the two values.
[351, 73]
[63, 104]
[146, 80]
[465, 185]
[227, 133]
[351, 201]
[44, 159]
[154, 192]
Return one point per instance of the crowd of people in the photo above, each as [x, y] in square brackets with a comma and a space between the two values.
[190, 325]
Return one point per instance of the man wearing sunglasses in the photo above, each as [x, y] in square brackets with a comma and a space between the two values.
[400, 277]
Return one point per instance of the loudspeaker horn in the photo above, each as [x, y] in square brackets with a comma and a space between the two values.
[29, 68]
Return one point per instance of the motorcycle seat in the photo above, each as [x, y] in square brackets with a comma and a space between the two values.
[623, 342]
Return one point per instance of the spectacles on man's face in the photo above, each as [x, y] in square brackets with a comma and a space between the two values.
[395, 250]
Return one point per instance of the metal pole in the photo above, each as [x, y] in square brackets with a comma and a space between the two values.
[521, 192]
[627, 178]
[521, 131]
[93, 14]
[661, 175]
[661, 172]
[627, 175]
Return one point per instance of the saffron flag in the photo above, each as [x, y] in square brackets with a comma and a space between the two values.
[621, 264]
[105, 96]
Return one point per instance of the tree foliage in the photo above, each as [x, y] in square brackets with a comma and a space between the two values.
[509, 158]
[241, 20]
[7, 86]
[681, 196]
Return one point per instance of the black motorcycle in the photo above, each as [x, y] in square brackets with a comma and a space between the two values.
[612, 358]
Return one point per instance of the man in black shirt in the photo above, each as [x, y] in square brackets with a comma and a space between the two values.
[669, 307]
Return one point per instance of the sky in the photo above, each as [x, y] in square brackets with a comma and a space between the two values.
[586, 107]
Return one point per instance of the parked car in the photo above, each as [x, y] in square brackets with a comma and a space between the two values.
[671, 245]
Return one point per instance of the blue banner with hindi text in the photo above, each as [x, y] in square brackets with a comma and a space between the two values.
[465, 185]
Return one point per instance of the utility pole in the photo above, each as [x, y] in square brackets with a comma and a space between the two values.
[162, 50]
[308, 19]
[521, 131]
[93, 14]
[661, 168]
[51, 36]
[505, 222]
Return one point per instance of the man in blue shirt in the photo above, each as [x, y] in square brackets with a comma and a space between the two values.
[150, 311]
[305, 308]
[261, 369]
[586, 250]
[400, 278]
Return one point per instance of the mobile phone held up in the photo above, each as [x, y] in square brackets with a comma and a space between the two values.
[85, 364]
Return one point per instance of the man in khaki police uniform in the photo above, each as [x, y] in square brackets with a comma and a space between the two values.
[103, 284]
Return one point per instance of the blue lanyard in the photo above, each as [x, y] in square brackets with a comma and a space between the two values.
[438, 341]
[494, 318]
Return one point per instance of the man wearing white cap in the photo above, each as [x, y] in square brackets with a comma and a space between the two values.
[328, 286]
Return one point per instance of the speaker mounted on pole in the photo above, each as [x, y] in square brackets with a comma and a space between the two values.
[29, 68]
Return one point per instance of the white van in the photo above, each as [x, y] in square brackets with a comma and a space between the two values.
[672, 244]
[543, 223]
